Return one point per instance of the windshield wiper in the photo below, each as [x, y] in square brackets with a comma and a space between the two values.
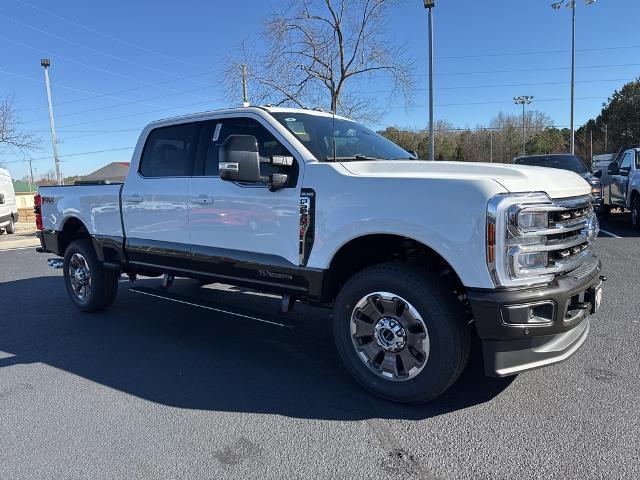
[356, 157]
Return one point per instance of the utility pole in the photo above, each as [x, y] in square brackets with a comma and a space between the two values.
[523, 100]
[606, 148]
[45, 63]
[591, 143]
[30, 175]
[491, 146]
[245, 97]
[429, 4]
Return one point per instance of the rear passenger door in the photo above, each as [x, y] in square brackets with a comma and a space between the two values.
[155, 200]
[236, 230]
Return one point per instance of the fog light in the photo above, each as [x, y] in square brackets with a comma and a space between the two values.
[531, 260]
[531, 219]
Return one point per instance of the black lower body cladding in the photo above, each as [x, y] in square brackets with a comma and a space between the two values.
[526, 329]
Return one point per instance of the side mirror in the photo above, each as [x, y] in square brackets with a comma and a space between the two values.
[239, 159]
[612, 169]
[624, 172]
[1, 199]
[597, 174]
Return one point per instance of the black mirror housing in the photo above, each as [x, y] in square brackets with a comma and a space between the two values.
[597, 174]
[612, 169]
[239, 159]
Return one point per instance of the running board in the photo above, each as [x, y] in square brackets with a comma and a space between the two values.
[272, 319]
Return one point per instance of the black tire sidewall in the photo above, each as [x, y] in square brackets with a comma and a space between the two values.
[635, 205]
[98, 292]
[440, 313]
[11, 228]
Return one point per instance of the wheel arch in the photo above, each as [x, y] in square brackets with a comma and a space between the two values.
[72, 229]
[375, 248]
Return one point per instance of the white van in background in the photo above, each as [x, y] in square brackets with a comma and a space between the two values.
[8, 206]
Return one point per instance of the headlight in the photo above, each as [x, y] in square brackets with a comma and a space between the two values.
[531, 238]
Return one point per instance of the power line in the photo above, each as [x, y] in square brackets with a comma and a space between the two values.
[498, 85]
[111, 37]
[76, 154]
[119, 105]
[105, 95]
[541, 69]
[534, 52]
[139, 113]
[86, 65]
[74, 89]
[95, 50]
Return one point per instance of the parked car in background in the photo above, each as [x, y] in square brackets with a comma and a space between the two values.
[8, 206]
[621, 184]
[573, 163]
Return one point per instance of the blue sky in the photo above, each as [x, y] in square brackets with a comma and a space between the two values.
[118, 65]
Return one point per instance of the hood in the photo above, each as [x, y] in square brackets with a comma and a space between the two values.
[514, 178]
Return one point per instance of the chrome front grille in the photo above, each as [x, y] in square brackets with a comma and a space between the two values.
[542, 237]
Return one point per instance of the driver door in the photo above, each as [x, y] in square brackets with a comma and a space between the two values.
[620, 181]
[240, 230]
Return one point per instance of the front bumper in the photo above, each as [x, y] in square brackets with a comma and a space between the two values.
[511, 344]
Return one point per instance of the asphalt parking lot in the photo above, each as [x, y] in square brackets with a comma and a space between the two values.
[153, 389]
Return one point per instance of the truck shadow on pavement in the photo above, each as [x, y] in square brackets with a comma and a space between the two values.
[187, 357]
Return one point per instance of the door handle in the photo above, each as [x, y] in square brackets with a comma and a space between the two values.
[136, 198]
[201, 199]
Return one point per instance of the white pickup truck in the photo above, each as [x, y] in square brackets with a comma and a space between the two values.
[414, 257]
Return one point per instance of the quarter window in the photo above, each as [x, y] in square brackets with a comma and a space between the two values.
[170, 151]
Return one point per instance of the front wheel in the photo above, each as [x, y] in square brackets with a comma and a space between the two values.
[90, 286]
[635, 212]
[401, 333]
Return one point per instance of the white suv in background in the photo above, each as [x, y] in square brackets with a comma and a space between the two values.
[8, 206]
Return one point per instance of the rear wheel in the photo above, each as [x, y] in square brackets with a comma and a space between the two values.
[401, 333]
[11, 228]
[635, 212]
[90, 286]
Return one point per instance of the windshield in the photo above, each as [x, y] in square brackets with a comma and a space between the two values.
[563, 162]
[352, 140]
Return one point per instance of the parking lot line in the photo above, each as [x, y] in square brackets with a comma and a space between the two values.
[610, 234]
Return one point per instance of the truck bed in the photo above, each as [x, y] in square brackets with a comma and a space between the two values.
[97, 206]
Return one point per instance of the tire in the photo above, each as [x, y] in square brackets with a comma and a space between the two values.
[635, 212]
[98, 291]
[435, 363]
[11, 228]
[605, 212]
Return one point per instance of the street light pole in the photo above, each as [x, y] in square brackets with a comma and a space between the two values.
[429, 4]
[573, 73]
[45, 63]
[523, 100]
[572, 5]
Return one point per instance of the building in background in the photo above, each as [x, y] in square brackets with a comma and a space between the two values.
[113, 172]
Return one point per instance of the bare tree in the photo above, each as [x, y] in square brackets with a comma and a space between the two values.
[318, 55]
[12, 136]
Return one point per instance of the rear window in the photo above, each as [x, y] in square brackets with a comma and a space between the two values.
[170, 151]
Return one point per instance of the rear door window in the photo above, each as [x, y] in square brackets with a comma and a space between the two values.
[170, 151]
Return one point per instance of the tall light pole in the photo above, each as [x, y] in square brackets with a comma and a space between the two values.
[572, 5]
[429, 4]
[45, 63]
[523, 100]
